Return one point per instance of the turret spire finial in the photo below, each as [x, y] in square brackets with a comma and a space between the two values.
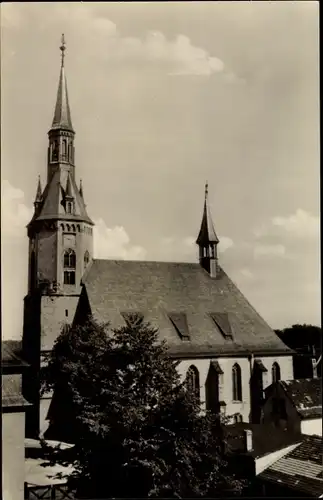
[63, 48]
[206, 190]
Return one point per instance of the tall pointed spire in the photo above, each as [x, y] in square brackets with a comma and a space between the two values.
[207, 232]
[62, 115]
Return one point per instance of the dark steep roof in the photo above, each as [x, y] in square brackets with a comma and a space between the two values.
[306, 394]
[159, 289]
[301, 469]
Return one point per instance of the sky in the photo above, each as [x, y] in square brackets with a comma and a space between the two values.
[164, 97]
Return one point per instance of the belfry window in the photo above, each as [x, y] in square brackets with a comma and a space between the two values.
[193, 381]
[69, 267]
[64, 149]
[236, 383]
[275, 373]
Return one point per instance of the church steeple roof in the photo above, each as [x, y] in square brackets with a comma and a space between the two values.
[62, 115]
[207, 232]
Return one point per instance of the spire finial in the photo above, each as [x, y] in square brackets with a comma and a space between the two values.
[63, 48]
[206, 190]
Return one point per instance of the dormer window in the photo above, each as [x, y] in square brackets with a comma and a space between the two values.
[179, 321]
[222, 321]
[69, 207]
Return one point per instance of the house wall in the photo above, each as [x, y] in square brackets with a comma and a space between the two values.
[13, 456]
[292, 423]
[225, 390]
[263, 462]
[312, 426]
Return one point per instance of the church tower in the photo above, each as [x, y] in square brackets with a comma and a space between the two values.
[207, 240]
[60, 244]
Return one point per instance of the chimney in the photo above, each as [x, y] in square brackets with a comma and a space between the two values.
[248, 440]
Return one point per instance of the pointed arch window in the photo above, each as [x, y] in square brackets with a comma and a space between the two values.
[236, 383]
[193, 381]
[275, 372]
[69, 267]
[86, 259]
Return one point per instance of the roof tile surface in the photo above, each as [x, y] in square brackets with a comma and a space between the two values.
[158, 288]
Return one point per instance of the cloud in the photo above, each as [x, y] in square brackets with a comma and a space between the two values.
[114, 243]
[177, 55]
[246, 273]
[225, 243]
[269, 250]
[301, 224]
[15, 214]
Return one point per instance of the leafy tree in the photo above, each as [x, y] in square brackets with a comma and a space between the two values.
[136, 430]
[305, 339]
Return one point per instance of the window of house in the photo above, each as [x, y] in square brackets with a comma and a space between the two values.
[275, 372]
[193, 381]
[236, 383]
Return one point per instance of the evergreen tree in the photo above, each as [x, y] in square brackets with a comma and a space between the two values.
[136, 429]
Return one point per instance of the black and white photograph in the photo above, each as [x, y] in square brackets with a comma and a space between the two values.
[160, 250]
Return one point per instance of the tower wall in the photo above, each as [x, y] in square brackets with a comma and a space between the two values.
[47, 255]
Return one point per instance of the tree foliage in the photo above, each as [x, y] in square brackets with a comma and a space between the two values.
[305, 339]
[136, 430]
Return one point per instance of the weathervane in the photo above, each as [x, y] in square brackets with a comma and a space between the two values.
[63, 48]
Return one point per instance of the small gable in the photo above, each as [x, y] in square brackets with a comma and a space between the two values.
[222, 321]
[132, 318]
[179, 321]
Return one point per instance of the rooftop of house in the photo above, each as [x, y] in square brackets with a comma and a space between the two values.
[261, 445]
[196, 314]
[306, 395]
[9, 357]
[301, 469]
[12, 366]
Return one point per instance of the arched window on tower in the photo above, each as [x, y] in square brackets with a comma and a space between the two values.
[55, 150]
[69, 267]
[275, 372]
[193, 381]
[64, 149]
[236, 383]
[86, 259]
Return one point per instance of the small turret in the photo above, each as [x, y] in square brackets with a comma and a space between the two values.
[38, 197]
[207, 240]
[81, 189]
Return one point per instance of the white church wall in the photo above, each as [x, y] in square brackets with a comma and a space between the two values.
[225, 389]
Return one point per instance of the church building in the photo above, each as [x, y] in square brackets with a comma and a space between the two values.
[228, 353]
